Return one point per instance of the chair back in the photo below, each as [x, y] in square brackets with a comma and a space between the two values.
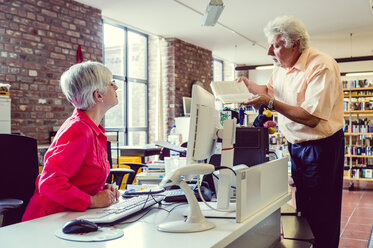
[19, 168]
[108, 149]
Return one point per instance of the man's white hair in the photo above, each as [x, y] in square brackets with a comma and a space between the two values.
[291, 30]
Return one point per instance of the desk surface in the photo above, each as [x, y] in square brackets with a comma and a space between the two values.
[143, 233]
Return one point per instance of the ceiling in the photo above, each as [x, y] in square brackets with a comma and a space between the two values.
[238, 37]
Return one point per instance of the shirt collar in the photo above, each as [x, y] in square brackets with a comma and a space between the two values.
[301, 63]
[84, 117]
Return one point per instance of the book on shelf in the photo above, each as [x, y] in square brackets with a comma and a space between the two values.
[230, 91]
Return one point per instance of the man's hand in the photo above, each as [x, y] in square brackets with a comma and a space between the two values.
[257, 100]
[253, 87]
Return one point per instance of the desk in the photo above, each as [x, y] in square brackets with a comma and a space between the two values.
[259, 228]
[139, 151]
[143, 233]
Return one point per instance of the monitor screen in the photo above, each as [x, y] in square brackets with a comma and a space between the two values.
[204, 121]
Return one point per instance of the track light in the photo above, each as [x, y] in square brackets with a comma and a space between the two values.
[212, 13]
[354, 74]
[264, 67]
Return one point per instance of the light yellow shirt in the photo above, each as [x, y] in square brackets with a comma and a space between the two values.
[314, 84]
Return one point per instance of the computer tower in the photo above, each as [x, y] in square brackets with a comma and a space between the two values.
[251, 147]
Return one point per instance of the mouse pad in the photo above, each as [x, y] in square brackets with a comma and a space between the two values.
[102, 234]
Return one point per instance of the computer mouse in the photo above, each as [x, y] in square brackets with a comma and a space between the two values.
[79, 226]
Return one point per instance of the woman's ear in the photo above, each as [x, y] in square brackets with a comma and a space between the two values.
[98, 96]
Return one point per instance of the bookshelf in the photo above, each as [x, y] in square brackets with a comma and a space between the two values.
[358, 107]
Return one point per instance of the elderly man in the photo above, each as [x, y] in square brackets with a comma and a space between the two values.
[306, 90]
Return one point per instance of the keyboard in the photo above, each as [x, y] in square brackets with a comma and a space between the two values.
[174, 195]
[178, 195]
[123, 208]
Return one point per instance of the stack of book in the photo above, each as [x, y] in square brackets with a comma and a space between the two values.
[156, 169]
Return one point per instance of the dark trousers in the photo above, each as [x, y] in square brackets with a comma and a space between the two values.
[317, 171]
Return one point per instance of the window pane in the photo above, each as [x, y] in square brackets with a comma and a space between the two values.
[114, 117]
[218, 70]
[136, 138]
[114, 49]
[136, 105]
[136, 55]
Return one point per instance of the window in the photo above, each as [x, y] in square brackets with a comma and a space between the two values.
[125, 54]
[217, 69]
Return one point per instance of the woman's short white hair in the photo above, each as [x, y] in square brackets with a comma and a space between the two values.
[80, 81]
[291, 29]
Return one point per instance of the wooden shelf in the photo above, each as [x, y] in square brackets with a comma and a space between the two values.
[359, 112]
[358, 156]
[364, 96]
[357, 179]
[357, 89]
[347, 134]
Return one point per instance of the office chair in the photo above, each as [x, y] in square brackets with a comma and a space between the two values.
[116, 174]
[19, 168]
[135, 167]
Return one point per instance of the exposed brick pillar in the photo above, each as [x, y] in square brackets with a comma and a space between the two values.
[38, 42]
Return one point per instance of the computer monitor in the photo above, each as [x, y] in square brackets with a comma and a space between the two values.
[203, 134]
[187, 101]
[204, 130]
[203, 125]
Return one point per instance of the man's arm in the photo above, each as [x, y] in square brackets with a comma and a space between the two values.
[294, 113]
[253, 87]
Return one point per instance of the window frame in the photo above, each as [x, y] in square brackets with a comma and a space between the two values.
[213, 68]
[126, 130]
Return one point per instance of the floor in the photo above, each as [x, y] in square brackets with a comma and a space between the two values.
[357, 216]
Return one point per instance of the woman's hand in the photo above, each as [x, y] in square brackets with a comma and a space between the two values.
[104, 198]
[113, 188]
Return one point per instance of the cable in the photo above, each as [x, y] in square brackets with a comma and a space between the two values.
[225, 167]
[233, 187]
[135, 193]
[273, 152]
[150, 209]
[204, 201]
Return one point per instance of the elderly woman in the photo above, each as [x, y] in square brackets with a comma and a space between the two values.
[76, 164]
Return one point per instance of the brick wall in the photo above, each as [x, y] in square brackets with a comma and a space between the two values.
[38, 41]
[182, 64]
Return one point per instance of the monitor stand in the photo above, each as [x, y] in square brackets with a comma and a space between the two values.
[223, 207]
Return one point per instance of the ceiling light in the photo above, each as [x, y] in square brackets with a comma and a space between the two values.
[264, 67]
[212, 13]
[354, 74]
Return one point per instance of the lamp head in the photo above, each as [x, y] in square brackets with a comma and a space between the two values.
[212, 13]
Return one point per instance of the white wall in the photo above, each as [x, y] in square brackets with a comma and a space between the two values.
[260, 76]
